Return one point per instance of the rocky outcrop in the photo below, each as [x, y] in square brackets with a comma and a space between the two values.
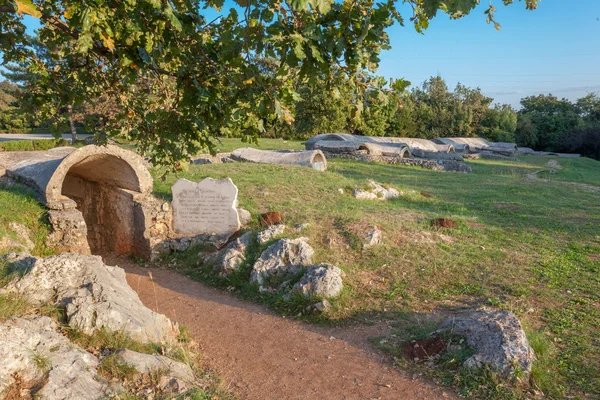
[20, 240]
[283, 259]
[322, 280]
[375, 192]
[174, 377]
[19, 261]
[70, 231]
[231, 257]
[32, 351]
[270, 233]
[372, 238]
[498, 338]
[245, 216]
[23, 234]
[94, 295]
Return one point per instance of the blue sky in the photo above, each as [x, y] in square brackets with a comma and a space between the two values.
[554, 49]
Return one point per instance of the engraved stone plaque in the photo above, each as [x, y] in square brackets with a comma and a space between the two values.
[207, 207]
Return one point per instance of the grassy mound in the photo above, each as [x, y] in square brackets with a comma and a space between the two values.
[523, 244]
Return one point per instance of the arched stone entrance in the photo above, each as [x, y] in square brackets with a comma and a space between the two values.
[99, 199]
[104, 183]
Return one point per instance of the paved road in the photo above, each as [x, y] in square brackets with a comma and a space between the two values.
[5, 137]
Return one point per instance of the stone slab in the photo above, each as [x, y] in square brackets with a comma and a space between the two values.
[206, 207]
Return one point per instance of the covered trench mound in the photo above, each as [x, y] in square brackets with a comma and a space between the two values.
[324, 141]
[99, 199]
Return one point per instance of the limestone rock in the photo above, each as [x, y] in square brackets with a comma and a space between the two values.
[31, 349]
[176, 377]
[7, 243]
[321, 280]
[372, 238]
[376, 192]
[21, 261]
[321, 307]
[283, 258]
[70, 231]
[230, 258]
[270, 233]
[497, 336]
[23, 234]
[95, 296]
[245, 216]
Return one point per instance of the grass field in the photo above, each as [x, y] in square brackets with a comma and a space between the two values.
[528, 245]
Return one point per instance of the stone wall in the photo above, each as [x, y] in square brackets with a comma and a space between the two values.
[99, 199]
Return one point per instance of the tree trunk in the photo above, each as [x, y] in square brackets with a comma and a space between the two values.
[72, 125]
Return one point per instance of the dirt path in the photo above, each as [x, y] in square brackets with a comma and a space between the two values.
[264, 356]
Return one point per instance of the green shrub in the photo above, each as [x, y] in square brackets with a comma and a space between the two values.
[32, 145]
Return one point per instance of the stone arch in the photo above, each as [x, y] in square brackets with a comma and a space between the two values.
[109, 165]
[106, 186]
[318, 157]
[371, 149]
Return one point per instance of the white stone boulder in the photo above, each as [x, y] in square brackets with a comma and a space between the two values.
[231, 257]
[270, 233]
[498, 338]
[95, 296]
[372, 238]
[244, 215]
[283, 259]
[32, 350]
[175, 376]
[375, 192]
[321, 280]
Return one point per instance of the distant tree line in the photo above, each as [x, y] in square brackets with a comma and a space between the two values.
[330, 105]
[548, 123]
[433, 110]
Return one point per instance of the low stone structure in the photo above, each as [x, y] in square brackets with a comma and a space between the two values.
[489, 155]
[99, 199]
[436, 165]
[391, 150]
[383, 141]
[314, 159]
[363, 151]
[476, 145]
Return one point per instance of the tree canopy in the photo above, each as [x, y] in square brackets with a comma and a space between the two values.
[178, 78]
